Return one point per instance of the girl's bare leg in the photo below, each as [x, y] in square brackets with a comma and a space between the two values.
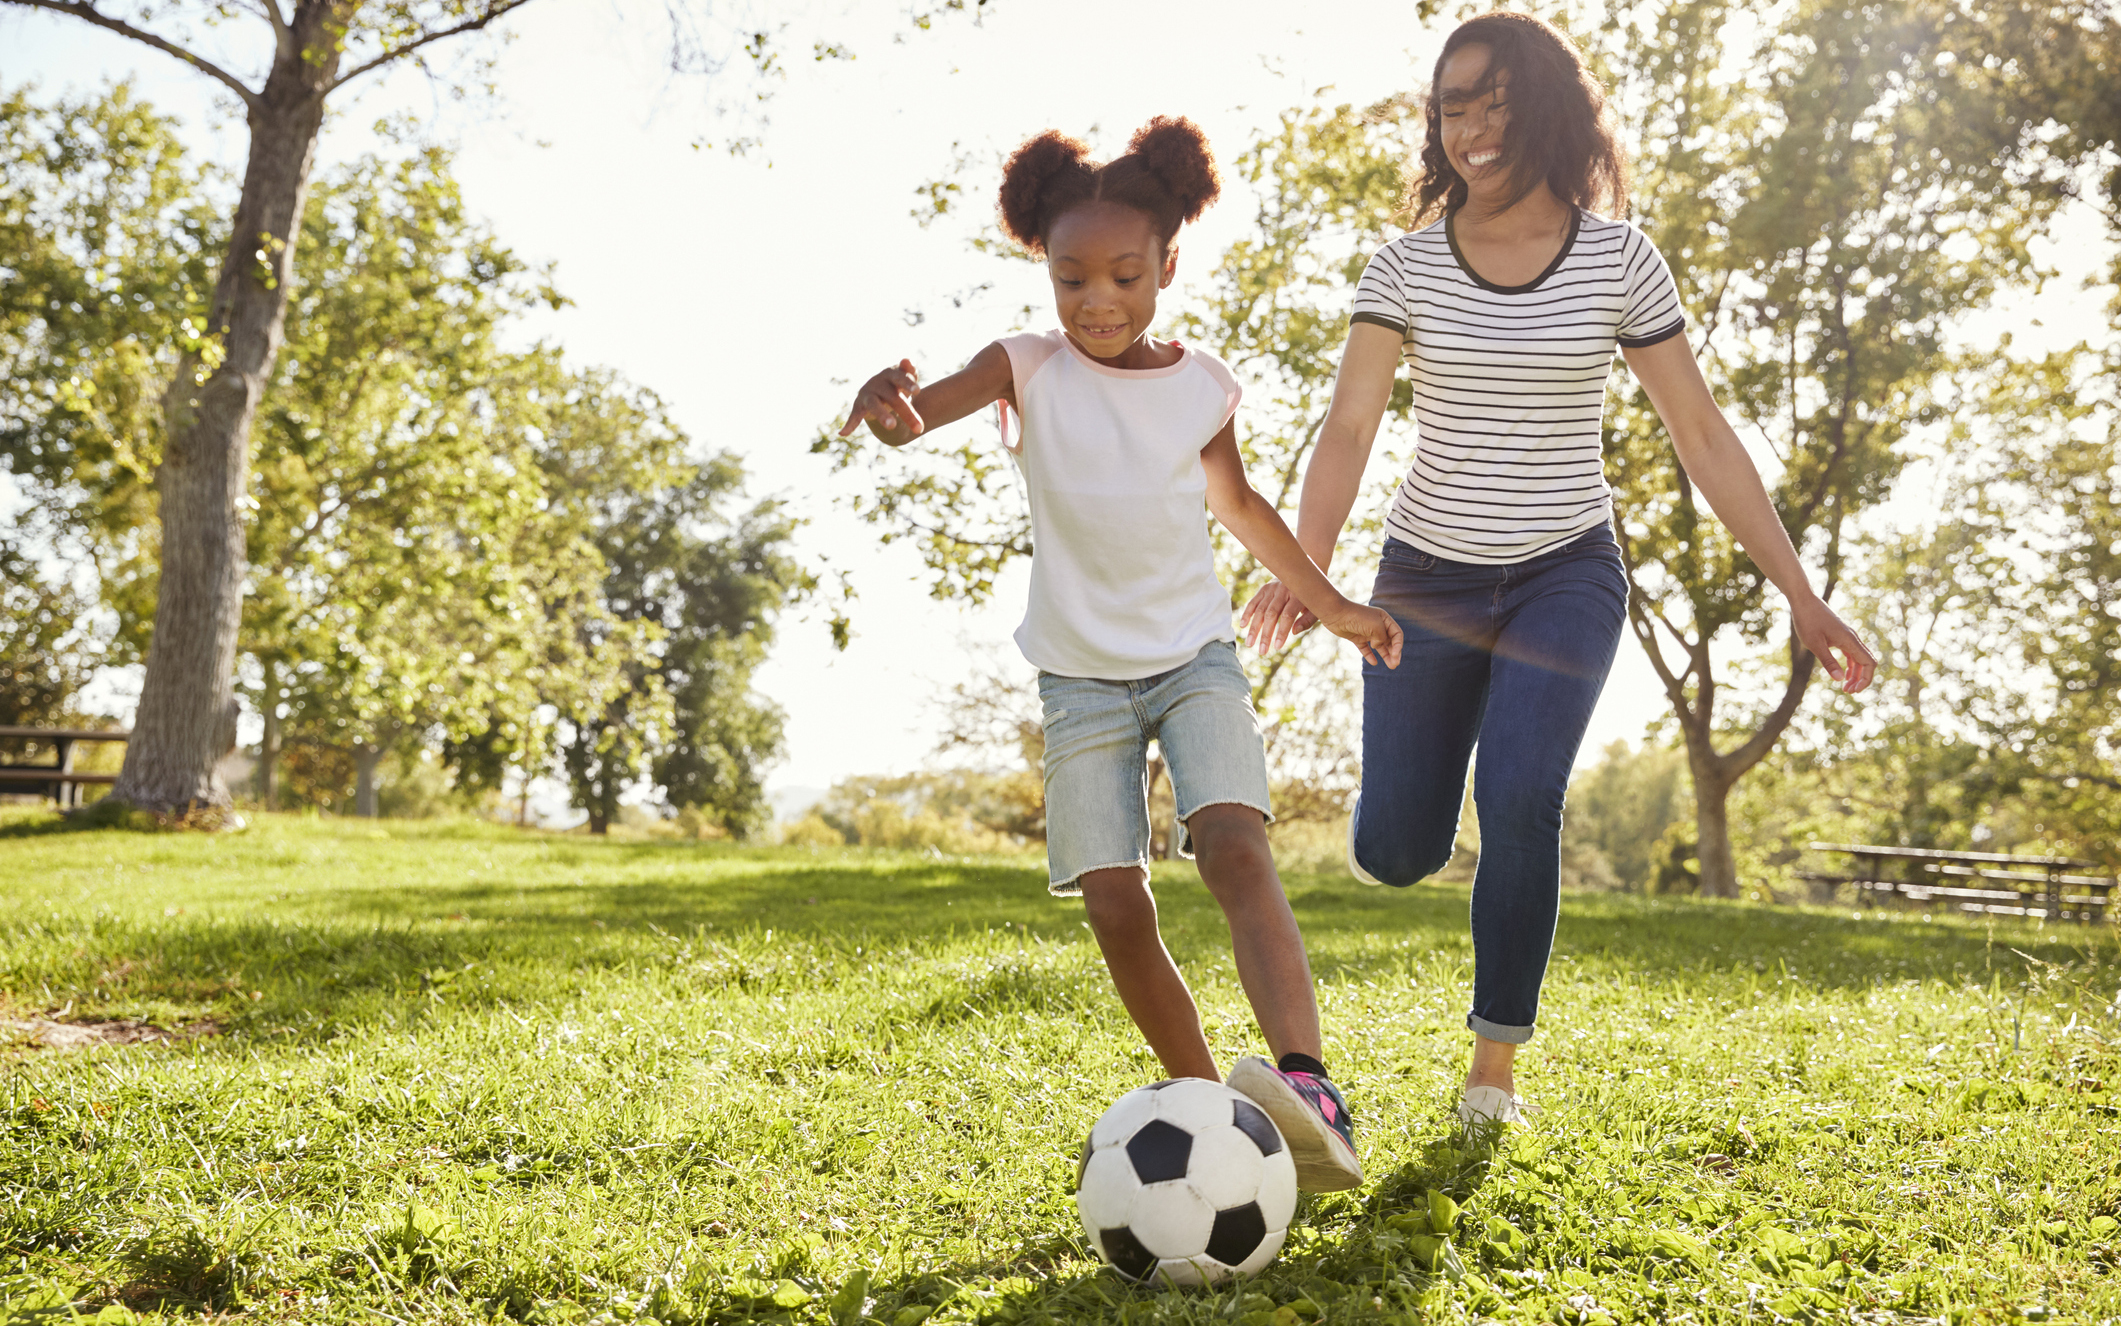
[1122, 914]
[1230, 844]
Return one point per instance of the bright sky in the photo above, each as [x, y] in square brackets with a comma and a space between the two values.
[752, 292]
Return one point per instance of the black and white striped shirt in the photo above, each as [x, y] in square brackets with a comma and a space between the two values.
[1509, 383]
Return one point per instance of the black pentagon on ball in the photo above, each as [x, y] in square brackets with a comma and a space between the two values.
[1237, 1233]
[1127, 1254]
[1254, 1123]
[1082, 1164]
[1159, 1151]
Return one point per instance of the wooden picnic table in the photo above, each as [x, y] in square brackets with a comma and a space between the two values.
[57, 780]
[2051, 887]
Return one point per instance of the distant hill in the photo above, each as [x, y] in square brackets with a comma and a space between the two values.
[792, 803]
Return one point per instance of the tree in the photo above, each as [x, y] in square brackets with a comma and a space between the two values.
[105, 229]
[224, 366]
[407, 579]
[426, 565]
[1869, 180]
[694, 585]
[39, 673]
[2005, 616]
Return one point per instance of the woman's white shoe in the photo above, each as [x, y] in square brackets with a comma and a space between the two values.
[1354, 866]
[1490, 1106]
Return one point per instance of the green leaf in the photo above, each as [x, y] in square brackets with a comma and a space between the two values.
[1443, 1212]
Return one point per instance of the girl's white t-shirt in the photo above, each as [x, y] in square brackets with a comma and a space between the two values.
[1123, 582]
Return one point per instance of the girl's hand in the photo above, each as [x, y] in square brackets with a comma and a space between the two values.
[1371, 630]
[885, 403]
[1274, 617]
[1821, 630]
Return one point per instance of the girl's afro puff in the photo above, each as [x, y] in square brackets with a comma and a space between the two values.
[1168, 174]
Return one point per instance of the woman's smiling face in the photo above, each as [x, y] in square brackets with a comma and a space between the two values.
[1474, 121]
[1107, 265]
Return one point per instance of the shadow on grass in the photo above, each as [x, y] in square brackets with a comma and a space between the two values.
[1355, 1255]
[317, 955]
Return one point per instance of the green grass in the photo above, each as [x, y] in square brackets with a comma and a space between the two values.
[460, 1073]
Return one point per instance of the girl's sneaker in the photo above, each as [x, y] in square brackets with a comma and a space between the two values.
[1313, 1118]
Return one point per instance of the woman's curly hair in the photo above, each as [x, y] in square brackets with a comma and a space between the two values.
[1560, 130]
[1168, 174]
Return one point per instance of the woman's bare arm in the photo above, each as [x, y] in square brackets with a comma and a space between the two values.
[1718, 465]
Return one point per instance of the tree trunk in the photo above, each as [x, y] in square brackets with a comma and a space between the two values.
[366, 758]
[1712, 830]
[1716, 772]
[170, 761]
[269, 745]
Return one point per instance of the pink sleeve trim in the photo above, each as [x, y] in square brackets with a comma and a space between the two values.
[1232, 393]
[1028, 353]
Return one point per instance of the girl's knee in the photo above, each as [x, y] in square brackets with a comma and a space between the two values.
[1117, 902]
[1229, 840]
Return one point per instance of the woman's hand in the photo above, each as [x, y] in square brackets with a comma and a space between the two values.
[1274, 617]
[1371, 630]
[885, 403]
[1821, 630]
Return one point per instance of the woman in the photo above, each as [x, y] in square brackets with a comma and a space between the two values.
[1500, 563]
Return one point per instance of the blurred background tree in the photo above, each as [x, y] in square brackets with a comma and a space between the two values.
[1872, 179]
[466, 558]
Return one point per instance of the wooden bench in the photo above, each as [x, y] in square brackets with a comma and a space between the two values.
[57, 780]
[2050, 887]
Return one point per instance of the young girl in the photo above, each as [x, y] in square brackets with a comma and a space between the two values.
[1123, 436]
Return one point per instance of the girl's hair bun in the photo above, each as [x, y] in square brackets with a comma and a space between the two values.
[1045, 170]
[1168, 174]
[1176, 152]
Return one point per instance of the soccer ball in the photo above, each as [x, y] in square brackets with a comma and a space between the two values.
[1188, 1180]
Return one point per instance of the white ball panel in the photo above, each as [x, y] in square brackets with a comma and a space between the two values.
[1191, 1271]
[1264, 1253]
[1194, 1103]
[1171, 1219]
[1277, 1189]
[1108, 1191]
[1226, 1167]
[1128, 1113]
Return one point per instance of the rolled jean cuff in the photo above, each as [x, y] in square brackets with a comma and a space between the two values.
[1495, 1031]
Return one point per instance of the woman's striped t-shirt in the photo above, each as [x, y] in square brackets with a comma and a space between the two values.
[1509, 383]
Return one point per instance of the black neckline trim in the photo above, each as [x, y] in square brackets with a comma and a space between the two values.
[1450, 232]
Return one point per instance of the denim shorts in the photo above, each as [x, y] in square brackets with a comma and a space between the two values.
[1097, 759]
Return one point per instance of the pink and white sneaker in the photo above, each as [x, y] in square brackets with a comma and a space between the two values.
[1313, 1118]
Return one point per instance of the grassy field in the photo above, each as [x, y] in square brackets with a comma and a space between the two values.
[459, 1073]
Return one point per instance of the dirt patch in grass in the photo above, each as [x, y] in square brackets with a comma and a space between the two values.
[46, 1034]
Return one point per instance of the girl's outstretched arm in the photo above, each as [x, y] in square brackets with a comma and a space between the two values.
[1333, 476]
[1716, 461]
[1260, 528]
[898, 408]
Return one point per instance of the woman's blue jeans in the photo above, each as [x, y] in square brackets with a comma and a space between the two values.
[1511, 659]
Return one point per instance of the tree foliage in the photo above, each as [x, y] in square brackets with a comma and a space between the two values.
[452, 542]
[1870, 178]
